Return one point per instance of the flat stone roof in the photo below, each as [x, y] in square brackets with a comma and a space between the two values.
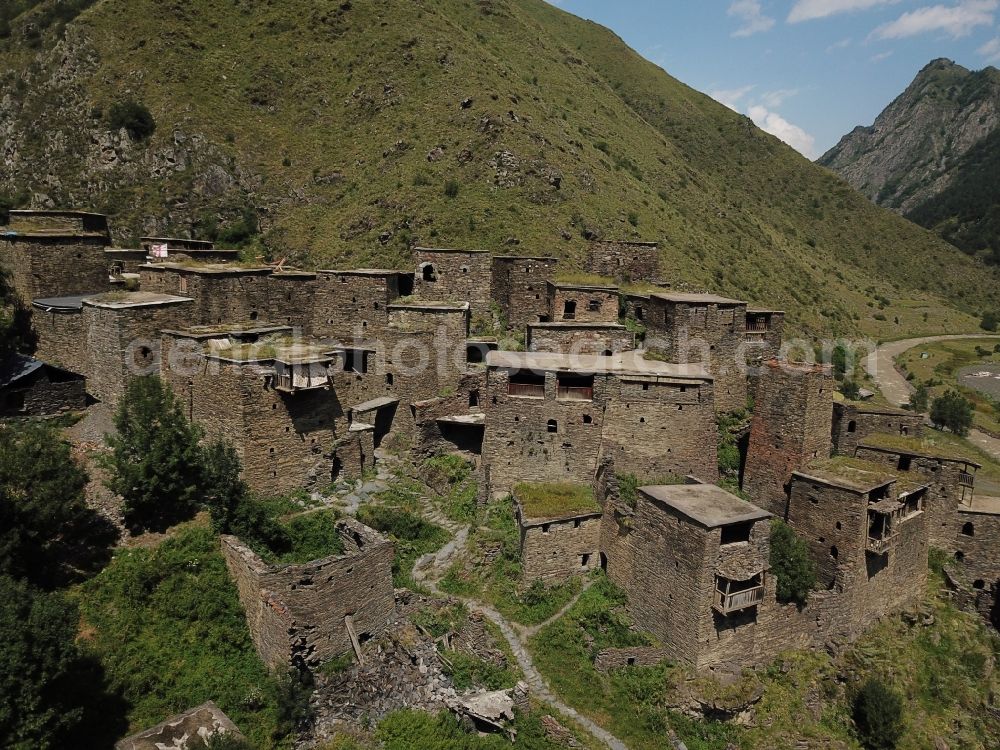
[375, 403]
[126, 300]
[436, 305]
[464, 419]
[525, 257]
[579, 326]
[206, 719]
[623, 363]
[848, 473]
[219, 269]
[983, 506]
[583, 287]
[863, 407]
[695, 298]
[706, 504]
[365, 272]
[449, 250]
[53, 212]
[182, 241]
[74, 302]
[253, 328]
[912, 446]
[762, 311]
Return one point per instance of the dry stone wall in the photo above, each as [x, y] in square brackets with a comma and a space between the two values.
[44, 267]
[582, 304]
[351, 305]
[579, 338]
[519, 288]
[852, 423]
[627, 261]
[61, 338]
[454, 276]
[553, 550]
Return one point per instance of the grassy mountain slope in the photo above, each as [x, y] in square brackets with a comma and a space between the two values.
[343, 125]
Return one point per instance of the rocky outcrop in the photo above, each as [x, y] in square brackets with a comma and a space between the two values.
[909, 155]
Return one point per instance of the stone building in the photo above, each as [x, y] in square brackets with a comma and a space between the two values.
[950, 476]
[579, 338]
[764, 333]
[304, 615]
[60, 333]
[221, 293]
[519, 287]
[624, 260]
[702, 328]
[693, 560]
[453, 421]
[56, 253]
[853, 422]
[291, 299]
[454, 276]
[181, 250]
[976, 548]
[553, 417]
[123, 337]
[354, 304]
[561, 538]
[32, 388]
[791, 426]
[581, 303]
[867, 532]
[271, 397]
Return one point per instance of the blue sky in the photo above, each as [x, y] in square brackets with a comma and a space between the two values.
[807, 71]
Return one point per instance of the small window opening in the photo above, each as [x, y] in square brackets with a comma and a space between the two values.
[852, 426]
[552, 426]
[473, 398]
[427, 273]
[585, 560]
[587, 419]
[594, 305]
[546, 527]
[904, 463]
[569, 309]
[969, 529]
[979, 584]
[834, 553]
[388, 378]
[736, 533]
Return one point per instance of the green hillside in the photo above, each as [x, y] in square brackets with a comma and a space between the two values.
[354, 129]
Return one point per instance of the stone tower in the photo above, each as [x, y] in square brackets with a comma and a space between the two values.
[791, 426]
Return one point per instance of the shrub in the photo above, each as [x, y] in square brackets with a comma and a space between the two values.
[133, 117]
[155, 462]
[850, 389]
[451, 188]
[990, 321]
[878, 715]
[48, 534]
[919, 399]
[15, 319]
[791, 563]
[633, 218]
[952, 411]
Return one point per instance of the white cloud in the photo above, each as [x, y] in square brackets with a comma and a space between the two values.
[810, 10]
[880, 57]
[955, 20]
[991, 50]
[842, 44]
[779, 127]
[774, 99]
[731, 97]
[751, 14]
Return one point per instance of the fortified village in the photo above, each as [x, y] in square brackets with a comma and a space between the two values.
[310, 373]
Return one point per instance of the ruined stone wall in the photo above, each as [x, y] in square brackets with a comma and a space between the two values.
[583, 339]
[627, 261]
[946, 492]
[452, 322]
[852, 424]
[352, 305]
[61, 338]
[296, 613]
[791, 426]
[468, 398]
[652, 429]
[122, 343]
[55, 266]
[977, 547]
[611, 659]
[459, 276]
[354, 452]
[43, 397]
[763, 345]
[593, 304]
[710, 334]
[218, 297]
[560, 549]
[519, 288]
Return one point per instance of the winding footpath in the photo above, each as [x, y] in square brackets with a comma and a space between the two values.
[897, 390]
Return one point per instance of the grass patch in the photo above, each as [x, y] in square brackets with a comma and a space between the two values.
[451, 476]
[497, 577]
[168, 627]
[469, 672]
[628, 484]
[312, 536]
[555, 500]
[580, 278]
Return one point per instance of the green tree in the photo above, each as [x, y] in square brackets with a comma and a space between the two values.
[791, 563]
[919, 399]
[133, 117]
[990, 321]
[878, 715]
[224, 491]
[156, 461]
[52, 695]
[850, 389]
[952, 411]
[48, 535]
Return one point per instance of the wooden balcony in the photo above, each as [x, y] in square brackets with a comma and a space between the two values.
[966, 480]
[881, 546]
[726, 604]
[526, 390]
[575, 393]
